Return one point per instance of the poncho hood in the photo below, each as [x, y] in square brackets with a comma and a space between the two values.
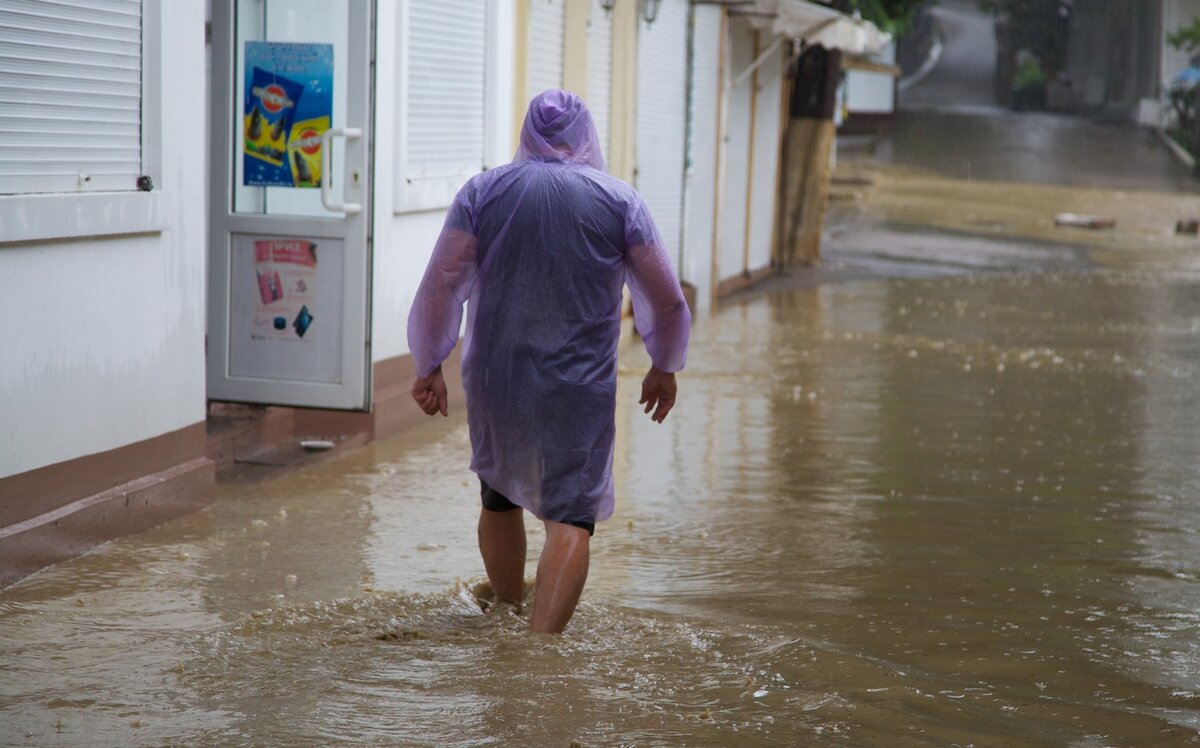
[558, 127]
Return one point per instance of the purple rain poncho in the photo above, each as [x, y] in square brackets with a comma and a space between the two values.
[540, 248]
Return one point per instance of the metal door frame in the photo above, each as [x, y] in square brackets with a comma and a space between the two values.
[355, 229]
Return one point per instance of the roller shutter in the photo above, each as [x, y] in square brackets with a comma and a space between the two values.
[545, 59]
[70, 95]
[661, 118]
[599, 76]
[765, 158]
[702, 156]
[736, 144]
[446, 120]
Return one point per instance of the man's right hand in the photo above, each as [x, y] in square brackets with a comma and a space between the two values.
[658, 393]
[430, 393]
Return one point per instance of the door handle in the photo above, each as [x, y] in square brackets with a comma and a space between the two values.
[327, 137]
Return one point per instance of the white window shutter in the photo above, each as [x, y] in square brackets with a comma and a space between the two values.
[599, 81]
[662, 118]
[70, 95]
[545, 60]
[444, 137]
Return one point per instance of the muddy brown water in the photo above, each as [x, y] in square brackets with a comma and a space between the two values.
[928, 511]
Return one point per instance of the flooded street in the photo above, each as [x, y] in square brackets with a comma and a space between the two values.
[942, 489]
[940, 510]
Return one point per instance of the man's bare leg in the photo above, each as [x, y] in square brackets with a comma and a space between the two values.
[562, 570]
[502, 545]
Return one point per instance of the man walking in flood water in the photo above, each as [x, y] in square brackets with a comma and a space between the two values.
[541, 248]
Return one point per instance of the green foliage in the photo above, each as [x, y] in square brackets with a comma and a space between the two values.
[1186, 39]
[1029, 75]
[893, 16]
[1186, 131]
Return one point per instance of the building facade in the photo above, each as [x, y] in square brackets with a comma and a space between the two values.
[236, 205]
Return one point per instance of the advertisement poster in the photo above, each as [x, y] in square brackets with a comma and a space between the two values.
[286, 271]
[289, 105]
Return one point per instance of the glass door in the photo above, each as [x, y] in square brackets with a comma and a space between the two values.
[289, 263]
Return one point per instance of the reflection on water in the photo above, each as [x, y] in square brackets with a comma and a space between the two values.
[957, 510]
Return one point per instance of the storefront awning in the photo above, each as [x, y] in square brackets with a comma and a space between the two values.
[815, 24]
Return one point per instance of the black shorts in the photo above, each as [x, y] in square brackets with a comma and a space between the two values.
[494, 501]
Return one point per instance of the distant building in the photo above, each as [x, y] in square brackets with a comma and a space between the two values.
[1118, 60]
[869, 95]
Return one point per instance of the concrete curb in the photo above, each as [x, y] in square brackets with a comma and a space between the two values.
[931, 61]
[1180, 153]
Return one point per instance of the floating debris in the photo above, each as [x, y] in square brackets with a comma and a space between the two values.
[1083, 221]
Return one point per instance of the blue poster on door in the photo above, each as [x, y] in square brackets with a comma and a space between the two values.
[289, 105]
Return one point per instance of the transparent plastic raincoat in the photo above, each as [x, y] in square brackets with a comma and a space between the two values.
[539, 249]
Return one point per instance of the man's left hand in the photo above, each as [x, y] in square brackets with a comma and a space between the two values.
[658, 393]
[429, 392]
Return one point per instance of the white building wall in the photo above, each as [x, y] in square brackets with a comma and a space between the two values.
[103, 338]
[403, 242]
[702, 160]
[765, 158]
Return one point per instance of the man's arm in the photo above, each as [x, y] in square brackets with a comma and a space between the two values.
[662, 316]
[659, 310]
[436, 316]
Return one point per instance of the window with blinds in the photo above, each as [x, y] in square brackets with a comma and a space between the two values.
[599, 72]
[545, 59]
[444, 139]
[70, 95]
